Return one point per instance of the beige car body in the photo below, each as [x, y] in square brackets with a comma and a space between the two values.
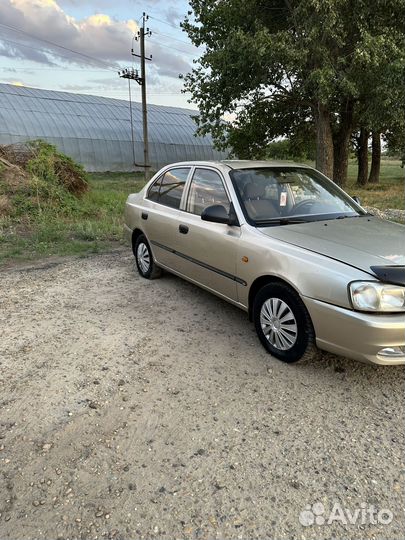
[233, 262]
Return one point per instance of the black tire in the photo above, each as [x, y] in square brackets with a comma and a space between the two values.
[144, 259]
[283, 323]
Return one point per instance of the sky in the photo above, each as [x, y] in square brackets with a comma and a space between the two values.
[40, 41]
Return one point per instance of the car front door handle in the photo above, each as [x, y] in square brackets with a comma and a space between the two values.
[183, 229]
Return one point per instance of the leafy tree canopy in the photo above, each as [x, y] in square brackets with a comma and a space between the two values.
[273, 63]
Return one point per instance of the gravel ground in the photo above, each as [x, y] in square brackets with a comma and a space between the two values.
[392, 214]
[136, 409]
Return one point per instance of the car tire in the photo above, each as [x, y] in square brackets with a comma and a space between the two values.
[283, 324]
[144, 259]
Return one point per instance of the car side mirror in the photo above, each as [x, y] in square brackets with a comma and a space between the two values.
[356, 200]
[218, 214]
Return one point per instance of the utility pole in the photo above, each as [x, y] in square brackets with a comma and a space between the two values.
[143, 90]
[141, 80]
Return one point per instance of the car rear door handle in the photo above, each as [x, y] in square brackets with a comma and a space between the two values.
[144, 215]
[183, 229]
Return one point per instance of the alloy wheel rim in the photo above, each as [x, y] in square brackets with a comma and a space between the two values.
[278, 324]
[143, 257]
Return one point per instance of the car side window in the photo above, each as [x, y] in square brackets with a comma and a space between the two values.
[168, 189]
[153, 193]
[206, 189]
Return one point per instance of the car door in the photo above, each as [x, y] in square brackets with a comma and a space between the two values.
[161, 212]
[207, 251]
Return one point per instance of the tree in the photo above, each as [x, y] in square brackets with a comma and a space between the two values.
[279, 66]
[395, 140]
[374, 177]
[297, 149]
[362, 156]
[381, 104]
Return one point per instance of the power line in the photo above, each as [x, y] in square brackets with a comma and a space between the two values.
[176, 49]
[93, 59]
[123, 92]
[165, 22]
[56, 68]
[42, 50]
[175, 39]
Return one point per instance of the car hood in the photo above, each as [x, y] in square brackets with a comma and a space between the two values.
[361, 242]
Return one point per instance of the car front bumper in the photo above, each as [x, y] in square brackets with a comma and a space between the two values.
[357, 335]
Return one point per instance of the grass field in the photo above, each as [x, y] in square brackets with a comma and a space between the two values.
[95, 223]
[389, 193]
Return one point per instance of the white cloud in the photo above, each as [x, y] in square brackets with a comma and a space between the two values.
[98, 35]
[167, 63]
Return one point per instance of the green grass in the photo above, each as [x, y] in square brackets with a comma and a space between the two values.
[91, 224]
[389, 193]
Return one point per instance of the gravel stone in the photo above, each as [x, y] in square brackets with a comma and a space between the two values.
[392, 214]
[244, 446]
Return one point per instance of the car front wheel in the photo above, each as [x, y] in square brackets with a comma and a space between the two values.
[144, 259]
[283, 323]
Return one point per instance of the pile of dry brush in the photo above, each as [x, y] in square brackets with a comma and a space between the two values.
[43, 159]
[37, 172]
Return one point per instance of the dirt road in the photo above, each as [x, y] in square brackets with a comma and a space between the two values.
[135, 409]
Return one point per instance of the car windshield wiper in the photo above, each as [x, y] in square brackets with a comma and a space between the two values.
[281, 221]
[304, 219]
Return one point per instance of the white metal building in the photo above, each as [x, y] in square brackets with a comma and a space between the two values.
[96, 131]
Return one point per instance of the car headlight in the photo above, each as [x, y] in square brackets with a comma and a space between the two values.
[374, 296]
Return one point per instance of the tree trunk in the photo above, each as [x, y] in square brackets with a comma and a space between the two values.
[324, 140]
[362, 157]
[374, 177]
[341, 144]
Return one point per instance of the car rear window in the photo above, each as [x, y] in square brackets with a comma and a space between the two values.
[168, 188]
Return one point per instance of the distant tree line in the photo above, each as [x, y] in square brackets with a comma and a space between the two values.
[326, 74]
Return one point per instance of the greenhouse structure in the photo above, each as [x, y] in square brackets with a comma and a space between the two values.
[96, 131]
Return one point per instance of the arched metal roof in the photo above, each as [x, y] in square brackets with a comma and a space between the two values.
[96, 131]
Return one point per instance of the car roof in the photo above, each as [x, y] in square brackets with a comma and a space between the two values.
[241, 164]
[255, 164]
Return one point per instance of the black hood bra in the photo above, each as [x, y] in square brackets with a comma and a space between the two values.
[390, 274]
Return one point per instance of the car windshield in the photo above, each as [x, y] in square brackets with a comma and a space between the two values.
[283, 195]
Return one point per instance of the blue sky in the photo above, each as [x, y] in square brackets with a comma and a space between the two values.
[40, 39]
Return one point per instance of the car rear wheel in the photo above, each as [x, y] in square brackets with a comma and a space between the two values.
[283, 323]
[144, 259]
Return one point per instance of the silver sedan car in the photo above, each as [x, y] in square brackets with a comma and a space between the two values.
[281, 241]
